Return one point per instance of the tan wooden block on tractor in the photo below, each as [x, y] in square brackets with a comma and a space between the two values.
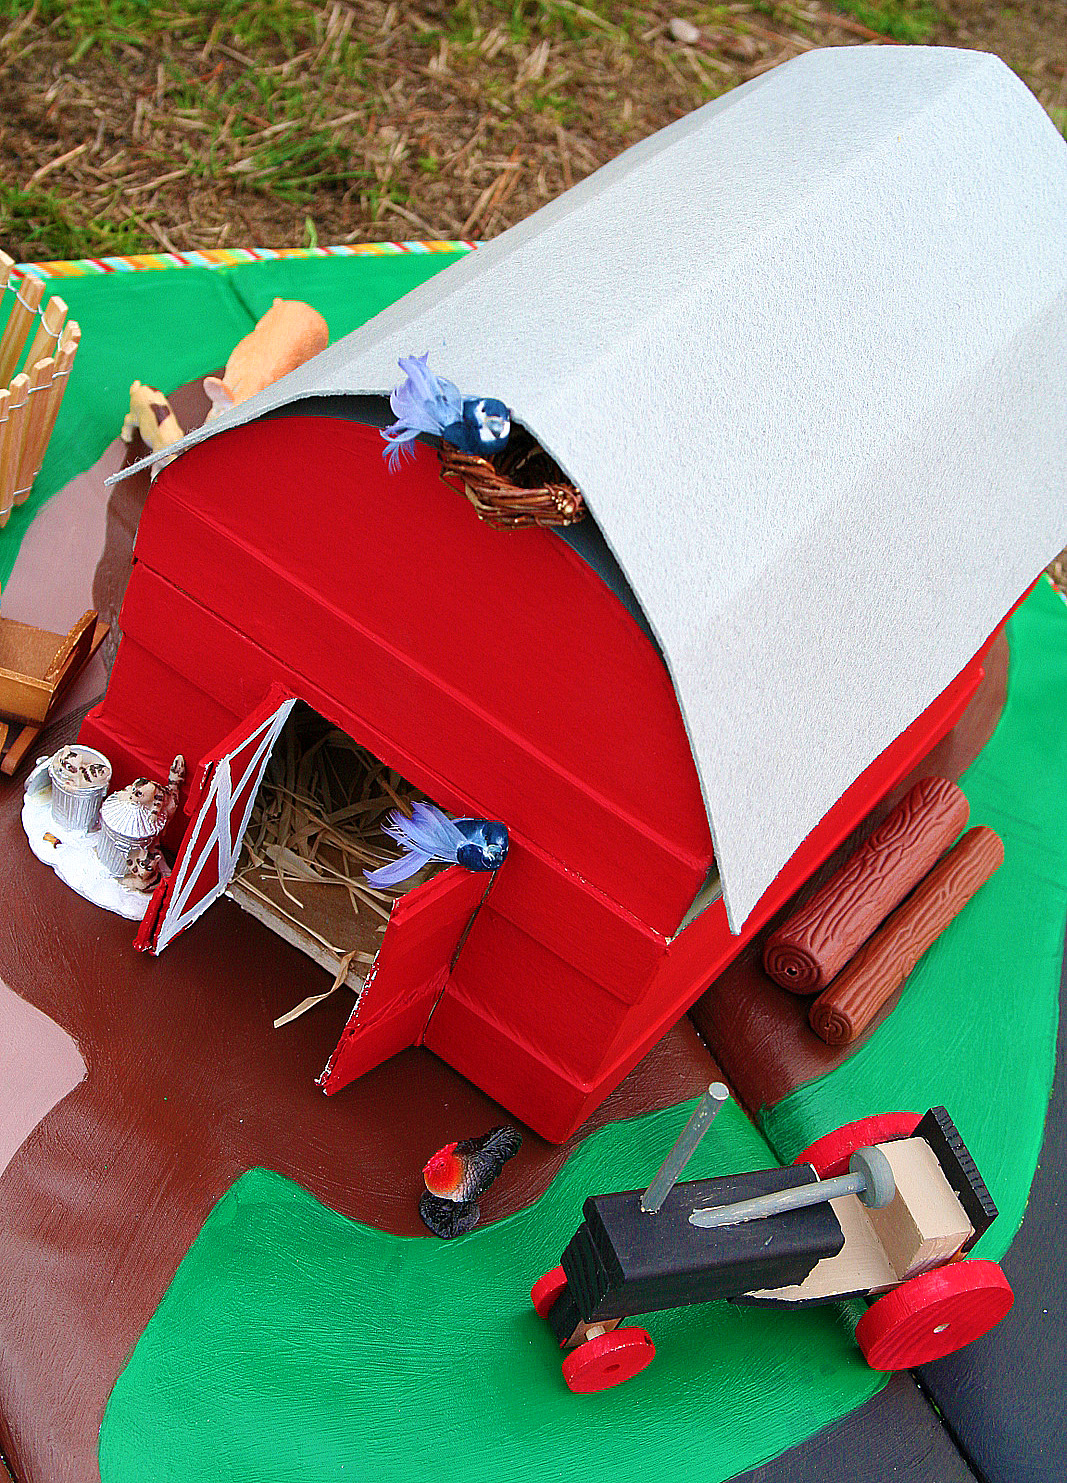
[924, 1225]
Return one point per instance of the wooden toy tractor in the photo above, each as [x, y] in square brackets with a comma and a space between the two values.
[885, 1207]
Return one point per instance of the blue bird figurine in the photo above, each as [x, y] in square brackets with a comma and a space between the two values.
[426, 403]
[485, 428]
[476, 844]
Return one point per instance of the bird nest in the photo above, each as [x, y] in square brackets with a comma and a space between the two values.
[518, 487]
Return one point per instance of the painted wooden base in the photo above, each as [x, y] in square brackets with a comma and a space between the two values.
[895, 1435]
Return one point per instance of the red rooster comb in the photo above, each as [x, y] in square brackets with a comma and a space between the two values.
[444, 1172]
[463, 1171]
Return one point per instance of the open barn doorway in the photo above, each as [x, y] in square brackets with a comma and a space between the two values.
[315, 827]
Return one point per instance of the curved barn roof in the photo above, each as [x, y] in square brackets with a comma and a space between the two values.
[805, 353]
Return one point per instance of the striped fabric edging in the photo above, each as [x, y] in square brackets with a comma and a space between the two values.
[227, 257]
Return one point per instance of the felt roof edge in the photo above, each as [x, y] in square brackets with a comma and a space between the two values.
[792, 349]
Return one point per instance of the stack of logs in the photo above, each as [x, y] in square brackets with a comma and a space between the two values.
[901, 887]
[44, 343]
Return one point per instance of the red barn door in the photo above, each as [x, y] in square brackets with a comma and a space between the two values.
[229, 780]
[425, 931]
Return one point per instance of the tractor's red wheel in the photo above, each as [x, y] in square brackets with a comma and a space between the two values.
[831, 1153]
[933, 1314]
[546, 1290]
[608, 1360]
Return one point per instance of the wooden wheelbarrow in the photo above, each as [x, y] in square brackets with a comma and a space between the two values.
[36, 668]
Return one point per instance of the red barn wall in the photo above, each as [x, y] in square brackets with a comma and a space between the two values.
[493, 669]
[494, 664]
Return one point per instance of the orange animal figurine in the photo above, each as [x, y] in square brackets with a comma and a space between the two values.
[290, 333]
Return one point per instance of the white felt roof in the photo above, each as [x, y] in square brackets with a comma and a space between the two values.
[805, 354]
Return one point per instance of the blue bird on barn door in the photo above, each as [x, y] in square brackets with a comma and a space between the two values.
[476, 844]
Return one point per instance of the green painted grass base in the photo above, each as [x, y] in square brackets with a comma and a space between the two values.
[294, 1344]
[975, 1028]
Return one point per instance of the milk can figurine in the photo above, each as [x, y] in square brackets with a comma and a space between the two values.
[134, 817]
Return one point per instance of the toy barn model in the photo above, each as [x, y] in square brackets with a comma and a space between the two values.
[822, 365]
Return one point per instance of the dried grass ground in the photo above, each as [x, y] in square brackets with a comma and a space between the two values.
[127, 126]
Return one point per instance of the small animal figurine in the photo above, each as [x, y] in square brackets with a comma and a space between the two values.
[426, 403]
[476, 844]
[290, 333]
[167, 799]
[142, 791]
[94, 773]
[459, 1174]
[161, 799]
[150, 414]
[145, 868]
[67, 764]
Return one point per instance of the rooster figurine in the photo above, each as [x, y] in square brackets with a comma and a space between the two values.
[459, 1174]
[426, 403]
[477, 844]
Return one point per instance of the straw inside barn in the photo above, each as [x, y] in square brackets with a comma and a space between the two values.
[315, 827]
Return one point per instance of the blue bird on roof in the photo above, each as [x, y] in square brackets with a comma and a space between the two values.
[426, 403]
[477, 844]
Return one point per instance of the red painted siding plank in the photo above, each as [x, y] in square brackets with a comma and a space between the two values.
[468, 1034]
[533, 891]
[513, 624]
[156, 703]
[518, 1076]
[514, 621]
[537, 998]
[572, 919]
[699, 954]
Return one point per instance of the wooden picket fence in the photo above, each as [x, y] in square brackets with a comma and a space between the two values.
[43, 343]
